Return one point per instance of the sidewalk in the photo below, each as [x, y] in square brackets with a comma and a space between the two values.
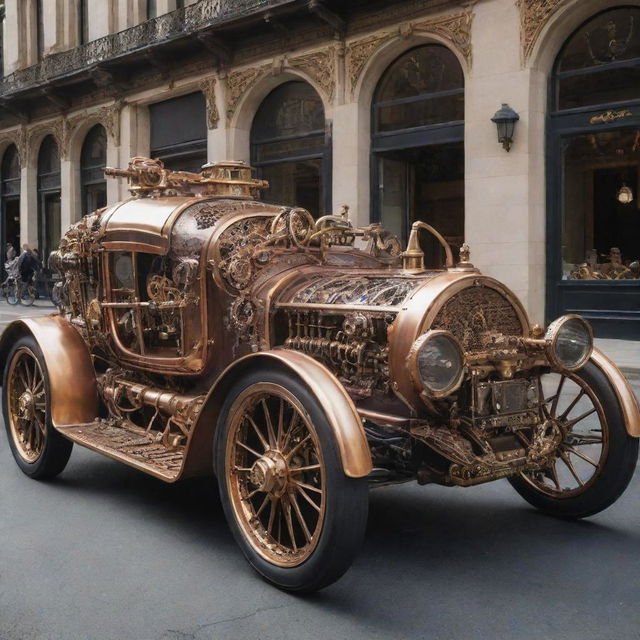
[625, 353]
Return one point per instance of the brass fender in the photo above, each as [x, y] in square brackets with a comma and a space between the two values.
[623, 391]
[335, 401]
[72, 379]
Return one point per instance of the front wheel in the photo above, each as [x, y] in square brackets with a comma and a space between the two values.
[38, 449]
[595, 462]
[12, 292]
[296, 516]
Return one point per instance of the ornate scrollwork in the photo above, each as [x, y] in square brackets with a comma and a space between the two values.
[321, 67]
[208, 88]
[534, 15]
[238, 82]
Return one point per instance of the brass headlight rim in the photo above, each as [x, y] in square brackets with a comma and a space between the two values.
[412, 364]
[551, 338]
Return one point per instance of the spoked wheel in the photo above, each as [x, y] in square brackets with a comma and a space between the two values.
[39, 450]
[27, 294]
[596, 460]
[297, 517]
[12, 292]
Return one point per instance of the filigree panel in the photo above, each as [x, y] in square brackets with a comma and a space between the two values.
[208, 88]
[455, 28]
[108, 116]
[238, 82]
[359, 52]
[57, 128]
[321, 66]
[534, 15]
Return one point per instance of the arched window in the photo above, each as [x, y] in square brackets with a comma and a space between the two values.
[49, 224]
[10, 174]
[289, 147]
[594, 174]
[417, 145]
[93, 160]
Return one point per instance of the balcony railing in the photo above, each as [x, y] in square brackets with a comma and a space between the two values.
[171, 26]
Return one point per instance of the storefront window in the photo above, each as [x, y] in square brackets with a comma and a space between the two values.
[418, 147]
[289, 147]
[601, 230]
[49, 227]
[92, 163]
[600, 63]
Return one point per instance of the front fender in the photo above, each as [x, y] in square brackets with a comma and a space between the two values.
[624, 392]
[72, 380]
[341, 413]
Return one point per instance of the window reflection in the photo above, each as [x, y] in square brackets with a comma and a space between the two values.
[601, 231]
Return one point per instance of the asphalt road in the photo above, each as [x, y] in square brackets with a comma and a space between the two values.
[106, 552]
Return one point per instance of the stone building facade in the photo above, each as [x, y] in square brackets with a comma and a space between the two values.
[384, 106]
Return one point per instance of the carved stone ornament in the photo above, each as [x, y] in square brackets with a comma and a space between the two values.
[455, 28]
[238, 82]
[321, 67]
[108, 116]
[18, 137]
[534, 15]
[57, 128]
[208, 88]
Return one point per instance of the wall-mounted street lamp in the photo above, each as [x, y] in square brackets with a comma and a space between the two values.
[505, 119]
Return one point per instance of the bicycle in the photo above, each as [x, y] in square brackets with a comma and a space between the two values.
[15, 290]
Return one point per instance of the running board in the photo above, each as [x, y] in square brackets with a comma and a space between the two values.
[139, 450]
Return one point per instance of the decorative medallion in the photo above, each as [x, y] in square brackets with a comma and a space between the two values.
[534, 15]
[208, 88]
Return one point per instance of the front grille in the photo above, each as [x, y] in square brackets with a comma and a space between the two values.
[476, 312]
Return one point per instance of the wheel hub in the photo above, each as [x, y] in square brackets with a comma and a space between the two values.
[269, 473]
[26, 405]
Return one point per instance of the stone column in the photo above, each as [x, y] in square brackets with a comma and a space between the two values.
[29, 206]
[504, 204]
[70, 197]
[351, 145]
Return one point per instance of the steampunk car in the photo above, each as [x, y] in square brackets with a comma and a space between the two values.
[301, 361]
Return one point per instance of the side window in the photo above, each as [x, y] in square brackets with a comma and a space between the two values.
[155, 301]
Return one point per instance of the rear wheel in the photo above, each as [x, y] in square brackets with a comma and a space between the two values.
[595, 462]
[27, 294]
[296, 516]
[38, 449]
[12, 292]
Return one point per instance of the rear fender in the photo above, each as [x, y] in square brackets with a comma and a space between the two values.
[72, 379]
[338, 407]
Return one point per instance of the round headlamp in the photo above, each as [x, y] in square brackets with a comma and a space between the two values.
[569, 342]
[436, 363]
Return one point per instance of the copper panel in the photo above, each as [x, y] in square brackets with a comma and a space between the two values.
[72, 381]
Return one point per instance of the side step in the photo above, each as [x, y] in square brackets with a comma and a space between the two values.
[139, 450]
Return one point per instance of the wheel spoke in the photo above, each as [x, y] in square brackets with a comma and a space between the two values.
[298, 446]
[287, 436]
[264, 443]
[300, 517]
[286, 508]
[265, 502]
[586, 414]
[310, 467]
[306, 486]
[272, 514]
[306, 496]
[249, 449]
[280, 423]
[554, 475]
[270, 431]
[574, 402]
[554, 404]
[584, 456]
[565, 458]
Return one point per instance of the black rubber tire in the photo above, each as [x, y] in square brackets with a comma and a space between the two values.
[57, 448]
[347, 498]
[619, 464]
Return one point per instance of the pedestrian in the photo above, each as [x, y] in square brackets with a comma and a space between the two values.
[10, 252]
[27, 264]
